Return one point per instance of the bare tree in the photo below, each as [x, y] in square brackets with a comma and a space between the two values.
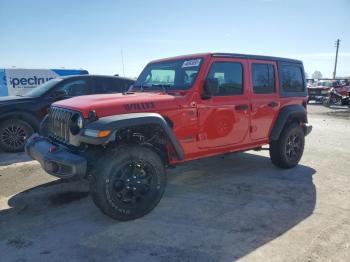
[317, 75]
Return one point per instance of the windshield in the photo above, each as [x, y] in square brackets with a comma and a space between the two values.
[169, 75]
[327, 84]
[40, 90]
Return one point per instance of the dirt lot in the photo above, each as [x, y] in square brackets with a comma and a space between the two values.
[237, 207]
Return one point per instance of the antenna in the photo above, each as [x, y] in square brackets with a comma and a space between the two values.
[121, 53]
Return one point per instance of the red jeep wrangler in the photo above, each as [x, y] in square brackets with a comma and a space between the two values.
[179, 109]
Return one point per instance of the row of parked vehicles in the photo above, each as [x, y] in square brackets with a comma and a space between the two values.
[330, 92]
[179, 109]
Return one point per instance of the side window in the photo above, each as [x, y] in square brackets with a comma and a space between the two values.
[291, 78]
[229, 75]
[108, 86]
[263, 77]
[77, 87]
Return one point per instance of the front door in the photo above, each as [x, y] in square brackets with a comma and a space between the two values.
[265, 100]
[224, 117]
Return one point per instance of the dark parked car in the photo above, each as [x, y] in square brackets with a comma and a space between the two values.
[20, 116]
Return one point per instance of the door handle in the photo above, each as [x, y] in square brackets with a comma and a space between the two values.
[241, 107]
[272, 104]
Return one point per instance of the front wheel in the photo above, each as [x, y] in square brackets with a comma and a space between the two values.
[128, 182]
[326, 101]
[13, 135]
[287, 151]
[336, 100]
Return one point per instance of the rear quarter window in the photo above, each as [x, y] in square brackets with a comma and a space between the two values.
[292, 80]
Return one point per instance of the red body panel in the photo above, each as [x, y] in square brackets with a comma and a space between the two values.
[343, 90]
[204, 127]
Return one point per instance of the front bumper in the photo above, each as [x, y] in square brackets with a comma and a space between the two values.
[55, 160]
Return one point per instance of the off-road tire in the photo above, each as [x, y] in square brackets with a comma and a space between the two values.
[280, 149]
[13, 135]
[105, 176]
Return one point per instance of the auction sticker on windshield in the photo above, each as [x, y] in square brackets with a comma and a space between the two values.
[191, 63]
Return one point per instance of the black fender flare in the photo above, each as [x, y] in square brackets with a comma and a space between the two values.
[26, 116]
[297, 112]
[117, 122]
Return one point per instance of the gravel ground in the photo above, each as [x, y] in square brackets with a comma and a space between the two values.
[237, 207]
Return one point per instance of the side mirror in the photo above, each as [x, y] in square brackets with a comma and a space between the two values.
[211, 87]
[58, 94]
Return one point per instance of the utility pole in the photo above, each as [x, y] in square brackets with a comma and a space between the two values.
[336, 58]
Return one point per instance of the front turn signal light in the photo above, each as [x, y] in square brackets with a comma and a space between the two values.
[97, 133]
[104, 133]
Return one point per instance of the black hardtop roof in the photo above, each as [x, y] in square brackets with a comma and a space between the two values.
[257, 57]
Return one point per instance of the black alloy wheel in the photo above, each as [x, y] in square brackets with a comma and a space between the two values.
[131, 183]
[293, 147]
[13, 135]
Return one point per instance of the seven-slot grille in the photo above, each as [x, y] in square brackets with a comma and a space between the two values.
[59, 122]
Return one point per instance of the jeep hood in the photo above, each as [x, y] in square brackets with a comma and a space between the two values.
[112, 104]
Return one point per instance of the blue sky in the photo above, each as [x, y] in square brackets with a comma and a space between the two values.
[91, 34]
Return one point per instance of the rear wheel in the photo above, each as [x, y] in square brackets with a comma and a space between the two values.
[13, 134]
[287, 151]
[128, 182]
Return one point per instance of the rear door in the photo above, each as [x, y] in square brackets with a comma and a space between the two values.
[265, 102]
[224, 117]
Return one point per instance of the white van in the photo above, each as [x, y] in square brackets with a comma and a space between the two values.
[17, 81]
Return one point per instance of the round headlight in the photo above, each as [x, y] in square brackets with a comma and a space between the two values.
[80, 122]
